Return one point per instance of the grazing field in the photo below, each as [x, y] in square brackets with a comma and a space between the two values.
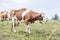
[48, 31]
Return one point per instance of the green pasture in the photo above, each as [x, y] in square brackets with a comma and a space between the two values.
[48, 31]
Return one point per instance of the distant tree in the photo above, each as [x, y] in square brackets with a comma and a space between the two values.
[55, 17]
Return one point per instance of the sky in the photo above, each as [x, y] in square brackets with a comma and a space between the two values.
[49, 7]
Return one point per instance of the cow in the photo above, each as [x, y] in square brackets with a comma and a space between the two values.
[28, 17]
[4, 15]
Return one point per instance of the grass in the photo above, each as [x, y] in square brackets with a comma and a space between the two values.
[48, 31]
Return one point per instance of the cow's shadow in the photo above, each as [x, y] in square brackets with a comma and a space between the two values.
[20, 32]
[23, 33]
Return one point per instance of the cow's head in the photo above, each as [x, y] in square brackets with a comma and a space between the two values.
[41, 18]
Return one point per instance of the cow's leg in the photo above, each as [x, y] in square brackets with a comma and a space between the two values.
[13, 26]
[27, 27]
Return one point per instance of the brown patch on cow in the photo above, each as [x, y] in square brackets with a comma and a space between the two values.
[18, 13]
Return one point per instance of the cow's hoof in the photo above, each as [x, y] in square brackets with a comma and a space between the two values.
[29, 32]
[14, 31]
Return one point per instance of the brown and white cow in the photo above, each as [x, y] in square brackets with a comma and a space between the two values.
[28, 16]
[4, 15]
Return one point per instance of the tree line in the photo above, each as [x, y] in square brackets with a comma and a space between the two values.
[56, 17]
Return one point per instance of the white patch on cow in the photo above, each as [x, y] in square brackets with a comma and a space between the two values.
[28, 29]
[24, 13]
